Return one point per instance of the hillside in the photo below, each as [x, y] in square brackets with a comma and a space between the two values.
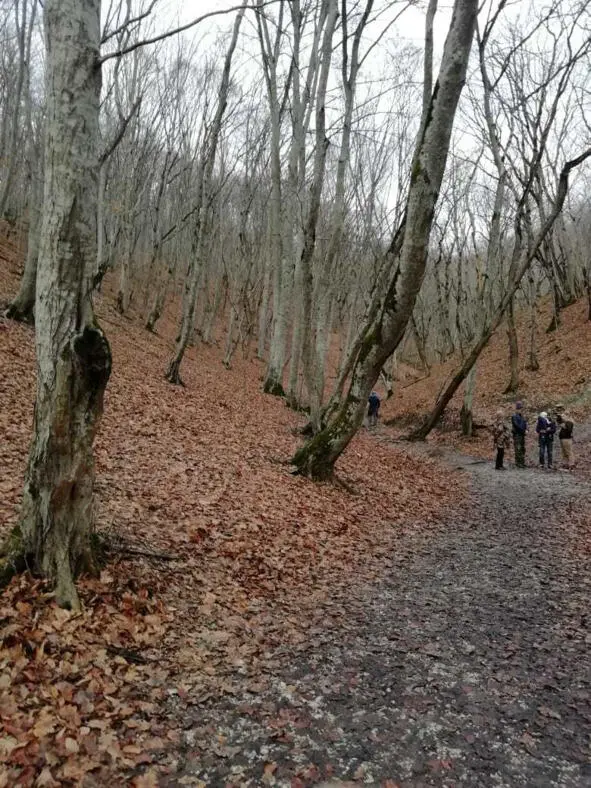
[564, 377]
[219, 558]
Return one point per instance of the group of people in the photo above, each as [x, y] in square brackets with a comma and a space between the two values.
[546, 428]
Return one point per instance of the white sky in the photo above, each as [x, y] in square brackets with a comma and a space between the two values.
[409, 28]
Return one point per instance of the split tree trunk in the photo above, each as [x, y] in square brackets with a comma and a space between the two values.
[317, 458]
[73, 355]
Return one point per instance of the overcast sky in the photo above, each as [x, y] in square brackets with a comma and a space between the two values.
[410, 27]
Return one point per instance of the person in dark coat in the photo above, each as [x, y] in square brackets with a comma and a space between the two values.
[373, 409]
[519, 430]
[545, 428]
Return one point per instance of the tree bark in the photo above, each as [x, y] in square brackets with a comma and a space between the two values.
[24, 30]
[73, 355]
[22, 307]
[467, 413]
[317, 458]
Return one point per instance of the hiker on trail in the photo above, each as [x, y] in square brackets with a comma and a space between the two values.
[545, 428]
[519, 429]
[501, 440]
[373, 409]
[565, 436]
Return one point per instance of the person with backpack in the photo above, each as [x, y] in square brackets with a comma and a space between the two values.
[565, 435]
[519, 430]
[545, 428]
[373, 409]
[501, 440]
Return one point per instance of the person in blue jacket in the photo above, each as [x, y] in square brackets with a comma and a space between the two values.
[519, 430]
[373, 409]
[545, 428]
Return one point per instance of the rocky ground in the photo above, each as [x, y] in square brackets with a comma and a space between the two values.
[467, 665]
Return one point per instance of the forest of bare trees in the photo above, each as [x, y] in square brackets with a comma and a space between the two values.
[326, 185]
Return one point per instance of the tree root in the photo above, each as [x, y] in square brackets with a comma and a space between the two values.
[128, 655]
[114, 545]
[338, 482]
[13, 557]
[20, 314]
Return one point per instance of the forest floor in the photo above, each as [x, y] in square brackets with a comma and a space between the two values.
[424, 626]
[223, 565]
[466, 664]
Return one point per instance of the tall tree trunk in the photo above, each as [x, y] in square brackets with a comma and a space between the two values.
[282, 266]
[513, 350]
[23, 306]
[24, 30]
[73, 355]
[264, 311]
[317, 458]
[466, 414]
[532, 361]
[211, 311]
[189, 305]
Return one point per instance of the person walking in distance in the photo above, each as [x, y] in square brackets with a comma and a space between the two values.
[545, 428]
[565, 435]
[501, 440]
[373, 409]
[519, 430]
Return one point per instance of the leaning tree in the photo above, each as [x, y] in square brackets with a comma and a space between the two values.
[408, 251]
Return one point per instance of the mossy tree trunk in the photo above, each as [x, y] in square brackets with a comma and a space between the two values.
[381, 338]
[73, 356]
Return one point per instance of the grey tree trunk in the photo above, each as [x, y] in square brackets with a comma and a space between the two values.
[532, 359]
[466, 414]
[23, 306]
[24, 29]
[73, 355]
[513, 351]
[381, 338]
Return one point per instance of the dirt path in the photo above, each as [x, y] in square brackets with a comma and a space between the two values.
[469, 665]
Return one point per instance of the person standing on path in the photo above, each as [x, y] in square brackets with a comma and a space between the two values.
[373, 409]
[519, 429]
[565, 435]
[545, 428]
[501, 440]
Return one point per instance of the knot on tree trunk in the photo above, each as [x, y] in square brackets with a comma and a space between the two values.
[92, 355]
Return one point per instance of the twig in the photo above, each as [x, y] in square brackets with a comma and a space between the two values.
[146, 553]
[128, 655]
[412, 383]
